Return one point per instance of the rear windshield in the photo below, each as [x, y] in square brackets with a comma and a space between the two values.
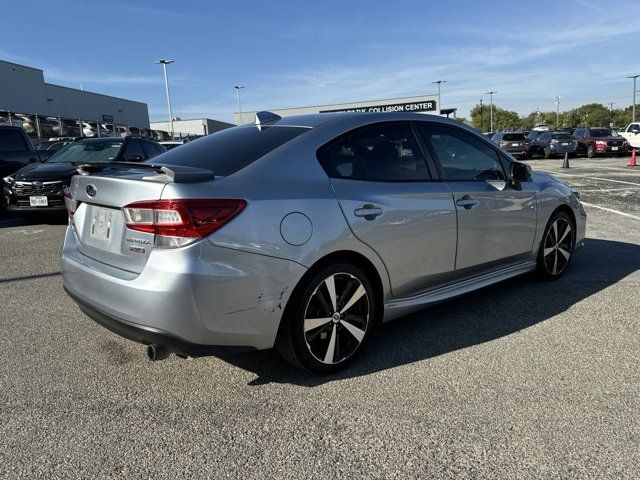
[228, 151]
[510, 137]
[601, 132]
[562, 136]
[87, 152]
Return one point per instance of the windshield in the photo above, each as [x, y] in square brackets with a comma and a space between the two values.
[230, 150]
[602, 132]
[87, 152]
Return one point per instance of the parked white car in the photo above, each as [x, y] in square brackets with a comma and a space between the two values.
[632, 135]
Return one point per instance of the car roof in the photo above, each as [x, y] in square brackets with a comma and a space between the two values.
[101, 139]
[312, 120]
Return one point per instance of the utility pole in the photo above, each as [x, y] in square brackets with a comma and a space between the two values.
[164, 63]
[491, 94]
[439, 82]
[611, 104]
[634, 77]
[238, 88]
[557, 111]
[481, 116]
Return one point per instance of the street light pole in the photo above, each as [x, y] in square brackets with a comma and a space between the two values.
[634, 96]
[557, 111]
[439, 82]
[164, 63]
[491, 93]
[238, 88]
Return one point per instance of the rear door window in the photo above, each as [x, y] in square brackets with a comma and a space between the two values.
[133, 152]
[513, 137]
[382, 153]
[150, 149]
[12, 141]
[230, 150]
[390, 153]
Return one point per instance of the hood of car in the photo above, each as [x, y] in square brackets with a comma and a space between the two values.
[606, 139]
[45, 172]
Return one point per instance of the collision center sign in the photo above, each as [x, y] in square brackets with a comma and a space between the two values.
[427, 106]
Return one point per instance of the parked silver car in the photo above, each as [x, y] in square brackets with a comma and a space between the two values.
[304, 232]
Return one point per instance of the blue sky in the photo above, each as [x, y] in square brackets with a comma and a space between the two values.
[306, 53]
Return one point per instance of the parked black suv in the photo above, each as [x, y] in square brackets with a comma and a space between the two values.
[39, 188]
[16, 150]
[552, 144]
[514, 143]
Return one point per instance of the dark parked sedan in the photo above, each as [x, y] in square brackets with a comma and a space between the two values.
[551, 144]
[514, 143]
[39, 188]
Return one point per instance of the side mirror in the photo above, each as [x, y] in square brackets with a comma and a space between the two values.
[34, 159]
[519, 172]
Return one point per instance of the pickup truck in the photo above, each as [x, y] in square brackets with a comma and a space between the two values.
[632, 135]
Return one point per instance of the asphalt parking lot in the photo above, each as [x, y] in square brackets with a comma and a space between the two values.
[520, 380]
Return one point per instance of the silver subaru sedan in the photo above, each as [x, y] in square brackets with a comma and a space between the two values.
[303, 233]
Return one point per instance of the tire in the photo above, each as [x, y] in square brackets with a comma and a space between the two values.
[554, 256]
[590, 152]
[334, 339]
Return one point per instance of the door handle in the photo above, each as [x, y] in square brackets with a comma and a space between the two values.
[369, 212]
[467, 203]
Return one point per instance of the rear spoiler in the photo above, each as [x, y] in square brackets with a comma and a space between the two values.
[164, 173]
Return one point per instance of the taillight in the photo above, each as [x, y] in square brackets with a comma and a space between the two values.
[181, 218]
[69, 202]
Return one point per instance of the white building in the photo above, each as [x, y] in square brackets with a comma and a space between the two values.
[418, 104]
[193, 127]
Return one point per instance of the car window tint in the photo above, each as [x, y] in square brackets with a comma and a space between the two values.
[462, 155]
[149, 149]
[389, 152]
[513, 137]
[12, 141]
[133, 152]
[230, 150]
[339, 161]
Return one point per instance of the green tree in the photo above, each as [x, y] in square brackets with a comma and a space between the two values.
[502, 119]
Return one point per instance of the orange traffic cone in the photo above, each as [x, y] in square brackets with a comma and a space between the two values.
[633, 163]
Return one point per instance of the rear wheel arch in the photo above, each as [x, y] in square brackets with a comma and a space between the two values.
[344, 256]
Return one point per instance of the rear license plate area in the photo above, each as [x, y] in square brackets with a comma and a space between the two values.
[101, 224]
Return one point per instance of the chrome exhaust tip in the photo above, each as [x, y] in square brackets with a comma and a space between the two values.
[156, 352]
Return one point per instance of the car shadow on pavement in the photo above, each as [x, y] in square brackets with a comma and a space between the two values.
[17, 221]
[478, 317]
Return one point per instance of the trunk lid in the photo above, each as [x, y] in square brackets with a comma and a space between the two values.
[99, 221]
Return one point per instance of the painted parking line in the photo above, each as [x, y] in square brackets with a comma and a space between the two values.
[618, 212]
[604, 190]
[622, 169]
[596, 178]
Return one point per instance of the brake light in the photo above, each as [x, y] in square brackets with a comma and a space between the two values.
[69, 202]
[181, 218]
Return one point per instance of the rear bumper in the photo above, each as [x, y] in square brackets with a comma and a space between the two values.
[150, 335]
[16, 209]
[195, 298]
